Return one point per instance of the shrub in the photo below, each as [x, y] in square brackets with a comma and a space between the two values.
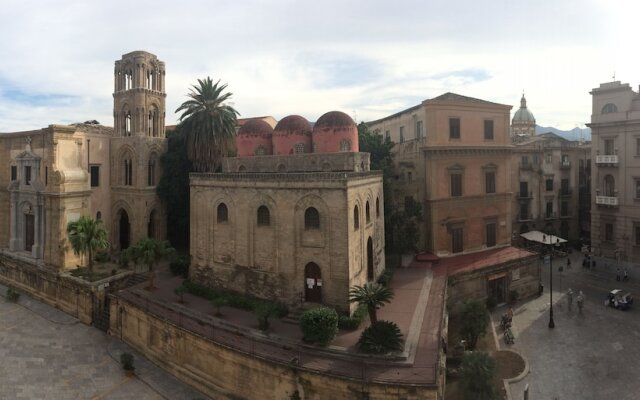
[180, 266]
[102, 256]
[319, 325]
[476, 373]
[386, 276]
[475, 320]
[126, 360]
[12, 294]
[492, 302]
[380, 338]
[218, 302]
[353, 322]
[180, 291]
[264, 312]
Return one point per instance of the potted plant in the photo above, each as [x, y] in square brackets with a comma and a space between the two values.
[126, 360]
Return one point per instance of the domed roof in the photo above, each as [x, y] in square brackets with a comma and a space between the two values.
[293, 124]
[334, 119]
[523, 114]
[255, 127]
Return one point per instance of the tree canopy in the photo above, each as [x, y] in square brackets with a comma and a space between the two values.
[87, 236]
[209, 123]
[372, 295]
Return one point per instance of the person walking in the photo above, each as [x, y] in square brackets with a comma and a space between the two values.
[580, 301]
[618, 275]
[570, 298]
[568, 263]
[626, 275]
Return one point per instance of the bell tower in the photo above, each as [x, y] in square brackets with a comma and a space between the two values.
[136, 146]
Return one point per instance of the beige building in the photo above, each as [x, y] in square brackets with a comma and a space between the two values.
[615, 130]
[551, 184]
[297, 228]
[523, 124]
[52, 176]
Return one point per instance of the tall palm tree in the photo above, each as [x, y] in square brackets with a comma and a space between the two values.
[150, 251]
[373, 296]
[87, 236]
[209, 123]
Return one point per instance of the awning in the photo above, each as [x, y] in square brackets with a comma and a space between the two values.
[540, 237]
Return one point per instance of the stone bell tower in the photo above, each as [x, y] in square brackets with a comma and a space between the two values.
[138, 142]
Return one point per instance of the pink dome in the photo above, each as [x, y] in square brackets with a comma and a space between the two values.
[335, 131]
[254, 138]
[292, 135]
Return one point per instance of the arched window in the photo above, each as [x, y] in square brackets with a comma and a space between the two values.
[609, 186]
[260, 150]
[367, 213]
[356, 218]
[151, 171]
[345, 145]
[299, 148]
[222, 214]
[263, 216]
[377, 207]
[242, 168]
[128, 171]
[311, 219]
[609, 108]
[127, 124]
[98, 216]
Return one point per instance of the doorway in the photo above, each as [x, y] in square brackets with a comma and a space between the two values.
[125, 230]
[370, 271]
[312, 283]
[497, 288]
[29, 227]
[151, 227]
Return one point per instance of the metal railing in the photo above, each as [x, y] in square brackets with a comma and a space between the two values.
[607, 200]
[607, 159]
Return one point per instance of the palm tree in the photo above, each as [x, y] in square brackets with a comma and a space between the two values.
[87, 236]
[150, 251]
[373, 296]
[209, 123]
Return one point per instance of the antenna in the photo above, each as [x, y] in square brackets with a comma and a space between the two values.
[614, 76]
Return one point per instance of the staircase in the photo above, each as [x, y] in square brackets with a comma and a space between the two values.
[136, 279]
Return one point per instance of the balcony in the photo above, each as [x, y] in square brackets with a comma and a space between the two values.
[565, 164]
[526, 166]
[566, 215]
[550, 215]
[524, 195]
[607, 201]
[608, 159]
[566, 192]
[525, 218]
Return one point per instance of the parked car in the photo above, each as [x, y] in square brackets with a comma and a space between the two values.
[619, 299]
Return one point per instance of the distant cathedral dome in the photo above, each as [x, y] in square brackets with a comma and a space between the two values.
[254, 138]
[523, 122]
[335, 131]
[292, 135]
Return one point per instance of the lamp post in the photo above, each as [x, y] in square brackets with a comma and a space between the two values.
[552, 324]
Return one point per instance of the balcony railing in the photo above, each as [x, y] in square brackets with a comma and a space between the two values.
[550, 215]
[607, 201]
[526, 166]
[524, 218]
[524, 195]
[565, 164]
[607, 159]
[566, 192]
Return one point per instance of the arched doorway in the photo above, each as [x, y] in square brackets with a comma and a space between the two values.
[125, 230]
[151, 226]
[370, 259]
[312, 283]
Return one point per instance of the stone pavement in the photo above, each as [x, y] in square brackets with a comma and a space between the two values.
[588, 355]
[47, 354]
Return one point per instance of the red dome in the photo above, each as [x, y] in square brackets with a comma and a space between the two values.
[254, 138]
[334, 132]
[292, 135]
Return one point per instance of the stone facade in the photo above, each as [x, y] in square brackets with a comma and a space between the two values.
[51, 176]
[551, 181]
[615, 130]
[295, 228]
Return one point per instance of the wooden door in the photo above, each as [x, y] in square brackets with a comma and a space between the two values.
[29, 226]
[312, 283]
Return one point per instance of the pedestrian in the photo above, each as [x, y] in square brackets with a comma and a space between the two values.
[580, 301]
[626, 275]
[618, 275]
[568, 263]
[570, 298]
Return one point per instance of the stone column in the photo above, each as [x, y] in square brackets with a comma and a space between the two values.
[37, 234]
[14, 239]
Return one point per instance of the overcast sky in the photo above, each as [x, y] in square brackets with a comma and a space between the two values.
[366, 58]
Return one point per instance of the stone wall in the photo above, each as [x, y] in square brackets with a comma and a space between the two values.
[222, 372]
[307, 162]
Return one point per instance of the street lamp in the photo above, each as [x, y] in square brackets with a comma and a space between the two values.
[552, 324]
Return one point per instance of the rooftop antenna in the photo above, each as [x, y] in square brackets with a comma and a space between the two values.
[614, 76]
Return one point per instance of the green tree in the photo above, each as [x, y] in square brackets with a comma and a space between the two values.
[476, 374]
[173, 188]
[475, 320]
[87, 236]
[381, 338]
[209, 124]
[371, 295]
[149, 251]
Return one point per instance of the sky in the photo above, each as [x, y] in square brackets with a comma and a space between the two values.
[369, 59]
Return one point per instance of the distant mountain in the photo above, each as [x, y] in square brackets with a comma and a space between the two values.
[573, 134]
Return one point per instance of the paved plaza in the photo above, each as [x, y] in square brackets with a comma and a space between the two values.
[588, 355]
[47, 354]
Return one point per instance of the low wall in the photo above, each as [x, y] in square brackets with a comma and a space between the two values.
[221, 371]
[69, 294]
